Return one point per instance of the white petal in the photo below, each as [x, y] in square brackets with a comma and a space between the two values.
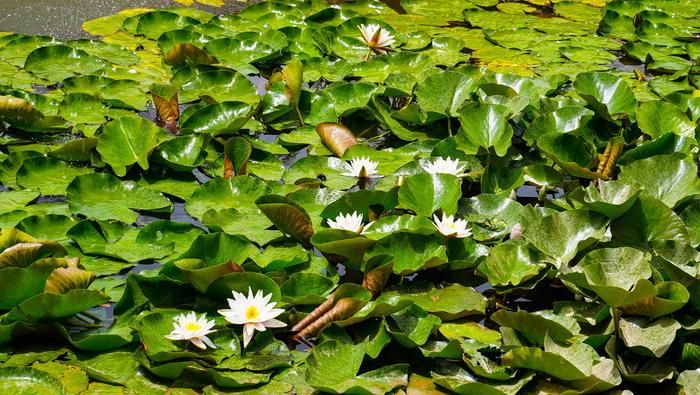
[198, 342]
[208, 342]
[248, 331]
[273, 323]
[174, 336]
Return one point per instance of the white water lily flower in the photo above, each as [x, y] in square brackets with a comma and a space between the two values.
[362, 168]
[189, 327]
[451, 227]
[351, 222]
[445, 166]
[377, 39]
[253, 312]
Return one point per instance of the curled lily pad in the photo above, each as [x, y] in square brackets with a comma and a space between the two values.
[444, 93]
[574, 362]
[484, 126]
[65, 279]
[241, 282]
[27, 281]
[22, 114]
[611, 198]
[412, 326]
[153, 24]
[343, 244]
[336, 137]
[167, 106]
[561, 235]
[25, 250]
[460, 381]
[182, 54]
[288, 217]
[237, 151]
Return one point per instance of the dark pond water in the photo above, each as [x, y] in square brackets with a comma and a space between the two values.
[63, 18]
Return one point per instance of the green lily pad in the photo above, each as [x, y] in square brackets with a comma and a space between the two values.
[220, 118]
[574, 362]
[103, 197]
[664, 177]
[460, 381]
[538, 325]
[411, 252]
[219, 85]
[50, 306]
[424, 193]
[239, 193]
[126, 141]
[58, 62]
[560, 235]
[50, 176]
[30, 380]
[656, 118]
[648, 338]
[510, 264]
[484, 126]
[609, 96]
[412, 326]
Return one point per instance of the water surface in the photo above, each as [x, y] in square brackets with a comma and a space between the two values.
[63, 18]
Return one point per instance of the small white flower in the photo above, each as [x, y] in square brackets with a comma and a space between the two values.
[351, 222]
[377, 39]
[189, 327]
[253, 312]
[445, 166]
[362, 168]
[451, 228]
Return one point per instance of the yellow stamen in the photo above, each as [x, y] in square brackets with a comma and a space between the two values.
[193, 326]
[252, 313]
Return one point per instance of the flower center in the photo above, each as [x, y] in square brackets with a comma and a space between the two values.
[252, 313]
[193, 326]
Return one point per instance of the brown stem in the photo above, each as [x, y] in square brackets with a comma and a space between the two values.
[319, 311]
[343, 309]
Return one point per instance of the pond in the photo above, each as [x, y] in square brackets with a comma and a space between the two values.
[353, 197]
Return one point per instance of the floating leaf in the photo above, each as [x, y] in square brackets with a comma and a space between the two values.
[664, 177]
[609, 96]
[484, 126]
[166, 102]
[288, 217]
[237, 151]
[336, 137]
[126, 141]
[103, 197]
[425, 193]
